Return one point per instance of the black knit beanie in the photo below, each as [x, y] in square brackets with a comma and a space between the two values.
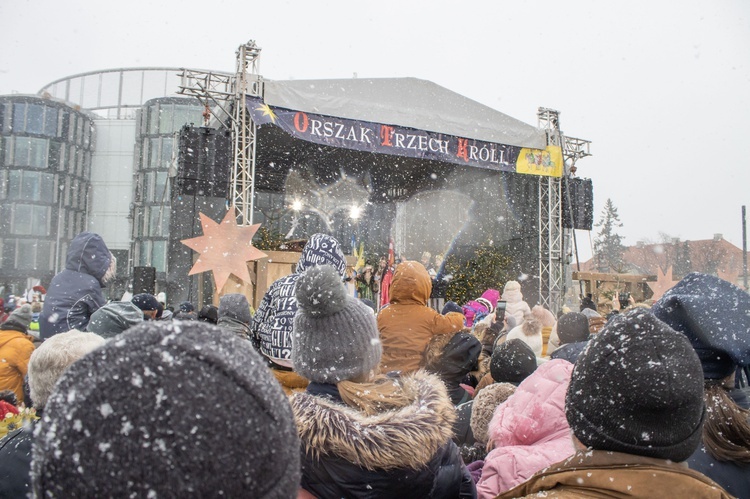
[168, 410]
[512, 362]
[573, 327]
[638, 388]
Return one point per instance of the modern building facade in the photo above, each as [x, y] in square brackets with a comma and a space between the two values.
[89, 152]
[46, 149]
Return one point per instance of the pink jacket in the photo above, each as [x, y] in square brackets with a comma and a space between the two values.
[529, 430]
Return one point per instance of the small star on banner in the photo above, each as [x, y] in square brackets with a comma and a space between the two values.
[225, 248]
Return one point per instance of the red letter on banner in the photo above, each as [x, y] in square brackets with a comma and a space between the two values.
[462, 152]
[385, 135]
[301, 125]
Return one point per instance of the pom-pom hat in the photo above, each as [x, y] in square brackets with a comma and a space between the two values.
[335, 336]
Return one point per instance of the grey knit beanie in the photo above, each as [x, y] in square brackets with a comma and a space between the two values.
[114, 318]
[235, 306]
[335, 336]
[638, 388]
[20, 316]
[170, 409]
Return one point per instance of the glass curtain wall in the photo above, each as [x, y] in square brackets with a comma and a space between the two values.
[159, 123]
[45, 158]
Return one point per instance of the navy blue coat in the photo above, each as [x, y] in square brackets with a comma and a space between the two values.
[76, 292]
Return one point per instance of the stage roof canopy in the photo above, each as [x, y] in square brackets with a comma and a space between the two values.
[407, 102]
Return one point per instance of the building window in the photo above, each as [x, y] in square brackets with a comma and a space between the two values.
[158, 221]
[159, 255]
[144, 253]
[30, 186]
[27, 151]
[50, 122]
[31, 220]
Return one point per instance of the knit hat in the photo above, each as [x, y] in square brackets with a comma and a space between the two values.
[186, 306]
[714, 315]
[169, 409]
[114, 318]
[322, 249]
[145, 302]
[572, 327]
[335, 336]
[208, 313]
[483, 407]
[638, 388]
[451, 306]
[512, 361]
[19, 319]
[235, 306]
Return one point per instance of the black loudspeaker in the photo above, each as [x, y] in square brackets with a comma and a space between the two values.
[204, 162]
[578, 203]
[144, 280]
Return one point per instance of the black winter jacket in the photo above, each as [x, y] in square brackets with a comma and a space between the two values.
[406, 452]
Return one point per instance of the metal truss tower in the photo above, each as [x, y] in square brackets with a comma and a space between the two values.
[552, 238]
[224, 98]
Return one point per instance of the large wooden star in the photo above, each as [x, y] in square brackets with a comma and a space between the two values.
[225, 248]
[663, 283]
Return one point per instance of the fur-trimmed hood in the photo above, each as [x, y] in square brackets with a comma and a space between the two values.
[407, 437]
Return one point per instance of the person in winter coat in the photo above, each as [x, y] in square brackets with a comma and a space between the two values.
[714, 315]
[514, 304]
[635, 408]
[452, 357]
[573, 336]
[273, 321]
[530, 332]
[47, 364]
[16, 347]
[363, 434]
[169, 409]
[235, 314]
[76, 292]
[407, 324]
[528, 432]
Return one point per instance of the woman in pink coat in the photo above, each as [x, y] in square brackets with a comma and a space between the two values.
[529, 431]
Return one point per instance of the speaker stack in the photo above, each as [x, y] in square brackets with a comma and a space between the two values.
[204, 162]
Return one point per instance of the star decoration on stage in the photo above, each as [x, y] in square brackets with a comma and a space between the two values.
[664, 283]
[225, 248]
[267, 111]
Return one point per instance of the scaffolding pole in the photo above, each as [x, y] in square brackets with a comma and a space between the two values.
[224, 97]
[553, 239]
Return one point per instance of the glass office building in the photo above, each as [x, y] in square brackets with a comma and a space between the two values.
[45, 162]
[158, 126]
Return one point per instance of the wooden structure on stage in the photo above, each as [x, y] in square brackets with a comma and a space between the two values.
[604, 287]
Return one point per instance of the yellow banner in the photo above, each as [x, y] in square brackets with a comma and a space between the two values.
[547, 162]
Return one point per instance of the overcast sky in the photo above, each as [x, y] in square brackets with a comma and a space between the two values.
[662, 89]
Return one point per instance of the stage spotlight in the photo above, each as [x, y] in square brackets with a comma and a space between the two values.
[297, 205]
[355, 212]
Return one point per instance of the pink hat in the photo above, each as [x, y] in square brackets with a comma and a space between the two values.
[489, 299]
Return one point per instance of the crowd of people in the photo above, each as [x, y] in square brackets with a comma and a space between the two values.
[323, 394]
